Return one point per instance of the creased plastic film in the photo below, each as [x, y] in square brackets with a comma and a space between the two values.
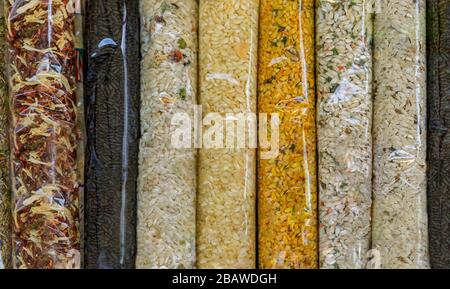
[46, 132]
[5, 201]
[167, 162]
[438, 24]
[344, 120]
[226, 197]
[112, 116]
[287, 209]
[400, 236]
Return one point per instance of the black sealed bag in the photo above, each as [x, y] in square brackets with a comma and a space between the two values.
[438, 24]
[112, 91]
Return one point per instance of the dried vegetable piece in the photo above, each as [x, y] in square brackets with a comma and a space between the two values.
[287, 184]
[344, 81]
[112, 88]
[438, 24]
[226, 197]
[399, 212]
[5, 201]
[167, 174]
[46, 152]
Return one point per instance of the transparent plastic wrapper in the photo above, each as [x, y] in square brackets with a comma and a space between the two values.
[287, 183]
[438, 27]
[46, 131]
[167, 172]
[344, 120]
[5, 201]
[112, 115]
[399, 231]
[227, 197]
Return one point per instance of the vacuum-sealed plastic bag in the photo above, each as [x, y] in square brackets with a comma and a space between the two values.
[5, 201]
[46, 131]
[399, 212]
[112, 112]
[344, 120]
[226, 198]
[287, 209]
[438, 24]
[167, 171]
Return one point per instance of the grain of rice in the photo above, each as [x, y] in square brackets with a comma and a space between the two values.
[344, 56]
[226, 199]
[399, 212]
[287, 184]
[167, 175]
